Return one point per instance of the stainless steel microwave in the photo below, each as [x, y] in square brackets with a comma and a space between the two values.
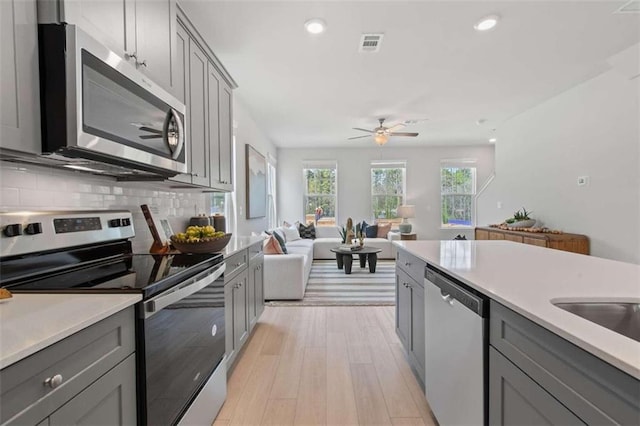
[98, 107]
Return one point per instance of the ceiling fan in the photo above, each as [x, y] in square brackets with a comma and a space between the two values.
[381, 133]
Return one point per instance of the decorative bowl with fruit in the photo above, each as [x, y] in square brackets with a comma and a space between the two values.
[200, 239]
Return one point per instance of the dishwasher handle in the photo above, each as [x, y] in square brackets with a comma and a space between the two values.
[454, 290]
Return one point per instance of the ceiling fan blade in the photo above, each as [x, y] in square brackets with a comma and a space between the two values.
[363, 130]
[360, 137]
[404, 134]
[150, 136]
[150, 130]
[396, 126]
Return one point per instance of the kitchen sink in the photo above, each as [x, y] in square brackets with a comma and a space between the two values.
[623, 318]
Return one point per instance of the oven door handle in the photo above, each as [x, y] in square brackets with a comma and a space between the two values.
[155, 305]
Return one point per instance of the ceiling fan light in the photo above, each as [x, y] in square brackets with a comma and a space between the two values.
[380, 138]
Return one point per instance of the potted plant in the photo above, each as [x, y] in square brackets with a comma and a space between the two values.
[520, 219]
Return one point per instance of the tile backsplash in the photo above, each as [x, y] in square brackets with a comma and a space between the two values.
[28, 187]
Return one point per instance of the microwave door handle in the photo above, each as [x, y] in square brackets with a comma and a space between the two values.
[155, 305]
[173, 115]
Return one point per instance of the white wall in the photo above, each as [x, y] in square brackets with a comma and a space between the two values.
[247, 132]
[354, 181]
[591, 130]
[27, 187]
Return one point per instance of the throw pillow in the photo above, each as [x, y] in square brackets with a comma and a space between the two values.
[280, 232]
[383, 229]
[363, 227]
[272, 246]
[281, 241]
[291, 234]
[371, 231]
[307, 232]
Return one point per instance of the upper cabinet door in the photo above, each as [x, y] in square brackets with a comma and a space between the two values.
[226, 135]
[110, 22]
[198, 116]
[156, 40]
[214, 83]
[20, 100]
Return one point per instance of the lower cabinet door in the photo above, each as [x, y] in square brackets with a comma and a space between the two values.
[515, 399]
[403, 308]
[110, 400]
[417, 348]
[256, 292]
[240, 317]
[259, 289]
[230, 349]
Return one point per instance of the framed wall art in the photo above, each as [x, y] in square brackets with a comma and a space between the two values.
[256, 181]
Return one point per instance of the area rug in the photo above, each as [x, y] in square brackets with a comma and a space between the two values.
[330, 286]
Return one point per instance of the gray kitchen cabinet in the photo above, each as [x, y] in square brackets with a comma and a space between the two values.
[225, 158]
[240, 316]
[591, 389]
[516, 399]
[20, 100]
[111, 400]
[410, 318]
[141, 31]
[40, 385]
[256, 285]
[209, 100]
[244, 298]
[198, 118]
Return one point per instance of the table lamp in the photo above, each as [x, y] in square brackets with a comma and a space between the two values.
[406, 212]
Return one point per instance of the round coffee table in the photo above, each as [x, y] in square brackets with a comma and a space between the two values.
[344, 257]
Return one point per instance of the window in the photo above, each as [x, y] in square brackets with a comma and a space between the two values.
[457, 189]
[272, 217]
[387, 190]
[320, 200]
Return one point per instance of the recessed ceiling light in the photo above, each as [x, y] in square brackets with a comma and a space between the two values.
[315, 26]
[493, 140]
[487, 23]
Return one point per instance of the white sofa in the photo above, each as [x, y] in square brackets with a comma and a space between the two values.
[286, 275]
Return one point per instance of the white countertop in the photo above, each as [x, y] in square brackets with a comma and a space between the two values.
[239, 243]
[527, 279]
[31, 322]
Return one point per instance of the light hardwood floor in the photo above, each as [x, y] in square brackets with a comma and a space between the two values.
[335, 365]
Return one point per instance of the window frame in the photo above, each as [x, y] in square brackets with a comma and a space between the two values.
[460, 164]
[320, 165]
[388, 164]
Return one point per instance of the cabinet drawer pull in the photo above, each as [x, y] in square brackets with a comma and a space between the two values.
[237, 265]
[133, 55]
[143, 63]
[407, 263]
[259, 267]
[53, 382]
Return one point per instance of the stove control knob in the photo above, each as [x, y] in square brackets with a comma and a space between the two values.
[115, 223]
[126, 221]
[33, 228]
[13, 230]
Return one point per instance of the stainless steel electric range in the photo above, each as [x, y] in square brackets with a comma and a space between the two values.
[180, 329]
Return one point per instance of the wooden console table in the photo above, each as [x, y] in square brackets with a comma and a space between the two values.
[575, 243]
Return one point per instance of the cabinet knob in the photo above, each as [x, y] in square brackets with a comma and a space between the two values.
[143, 63]
[133, 55]
[407, 263]
[53, 382]
[259, 267]
[237, 264]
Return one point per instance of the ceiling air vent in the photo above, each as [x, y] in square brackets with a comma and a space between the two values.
[632, 6]
[370, 43]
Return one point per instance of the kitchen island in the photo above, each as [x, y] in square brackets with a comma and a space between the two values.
[543, 363]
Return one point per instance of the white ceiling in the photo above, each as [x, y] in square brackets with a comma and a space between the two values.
[309, 91]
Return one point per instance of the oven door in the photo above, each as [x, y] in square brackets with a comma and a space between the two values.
[109, 111]
[182, 333]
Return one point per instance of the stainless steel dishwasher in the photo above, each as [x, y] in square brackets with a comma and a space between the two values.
[456, 336]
